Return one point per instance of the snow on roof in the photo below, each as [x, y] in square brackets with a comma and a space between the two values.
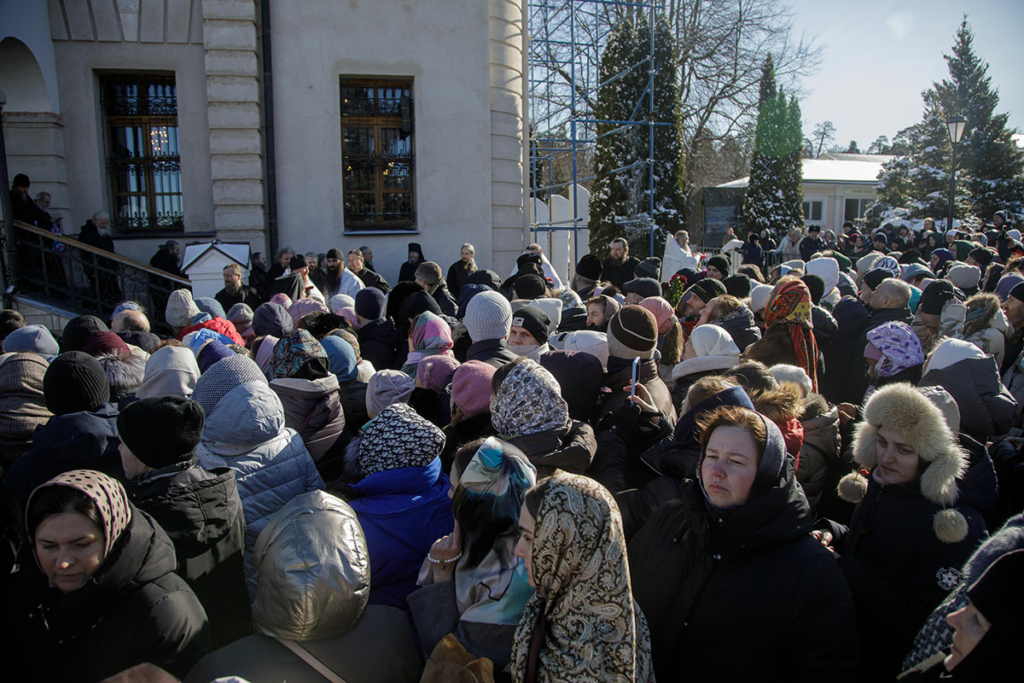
[834, 171]
[236, 251]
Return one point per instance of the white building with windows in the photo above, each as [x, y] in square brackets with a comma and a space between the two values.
[309, 124]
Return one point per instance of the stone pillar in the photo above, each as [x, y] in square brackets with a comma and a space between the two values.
[234, 110]
[35, 147]
[509, 215]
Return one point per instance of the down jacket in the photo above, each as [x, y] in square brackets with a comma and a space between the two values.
[313, 409]
[571, 449]
[819, 456]
[246, 432]
[987, 409]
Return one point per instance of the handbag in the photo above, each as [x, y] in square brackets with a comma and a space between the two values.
[450, 662]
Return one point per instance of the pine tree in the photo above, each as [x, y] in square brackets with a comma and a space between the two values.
[627, 196]
[764, 206]
[987, 153]
[791, 168]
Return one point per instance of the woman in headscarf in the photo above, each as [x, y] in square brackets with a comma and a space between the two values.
[708, 351]
[670, 334]
[429, 335]
[894, 355]
[741, 526]
[171, 371]
[473, 586]
[528, 411]
[582, 624]
[104, 595]
[789, 335]
[309, 393]
[22, 403]
[344, 364]
[939, 259]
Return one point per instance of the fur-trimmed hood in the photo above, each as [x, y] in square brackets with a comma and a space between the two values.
[903, 408]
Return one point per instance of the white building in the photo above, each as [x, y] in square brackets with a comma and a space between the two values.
[376, 123]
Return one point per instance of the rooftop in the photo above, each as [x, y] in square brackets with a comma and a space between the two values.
[862, 168]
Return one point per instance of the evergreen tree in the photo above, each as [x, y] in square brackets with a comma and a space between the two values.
[763, 205]
[791, 167]
[627, 196]
[987, 153]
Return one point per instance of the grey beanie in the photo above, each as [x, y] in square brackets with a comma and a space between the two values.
[272, 319]
[488, 316]
[240, 313]
[180, 308]
[222, 377]
[32, 339]
[385, 388]
[208, 304]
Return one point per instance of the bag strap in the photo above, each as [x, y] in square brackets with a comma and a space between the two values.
[305, 655]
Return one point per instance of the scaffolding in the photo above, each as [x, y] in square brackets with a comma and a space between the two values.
[566, 41]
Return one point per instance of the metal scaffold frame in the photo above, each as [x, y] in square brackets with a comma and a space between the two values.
[566, 41]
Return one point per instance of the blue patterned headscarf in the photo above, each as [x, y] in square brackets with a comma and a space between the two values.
[294, 352]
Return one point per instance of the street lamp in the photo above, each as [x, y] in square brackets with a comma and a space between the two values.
[955, 125]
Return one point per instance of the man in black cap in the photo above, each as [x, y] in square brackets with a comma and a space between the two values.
[869, 284]
[528, 336]
[640, 288]
[880, 243]
[588, 273]
[618, 268]
[812, 243]
[357, 264]
[407, 273]
[695, 298]
[1013, 307]
[980, 257]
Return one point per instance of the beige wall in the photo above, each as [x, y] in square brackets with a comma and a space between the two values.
[833, 197]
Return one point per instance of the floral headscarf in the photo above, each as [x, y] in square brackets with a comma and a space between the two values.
[790, 304]
[431, 336]
[491, 586]
[398, 438]
[592, 629]
[528, 401]
[900, 347]
[109, 496]
[294, 352]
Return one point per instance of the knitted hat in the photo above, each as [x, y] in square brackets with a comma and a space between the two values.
[936, 294]
[387, 387]
[180, 308]
[398, 437]
[102, 343]
[297, 263]
[705, 290]
[370, 303]
[488, 316]
[304, 307]
[485, 277]
[79, 329]
[964, 276]
[1018, 292]
[161, 431]
[649, 267]
[738, 285]
[589, 267]
[644, 286]
[31, 339]
[75, 382]
[982, 256]
[759, 297]
[922, 426]
[272, 319]
[816, 286]
[719, 262]
[207, 304]
[867, 262]
[433, 372]
[471, 388]
[880, 237]
[632, 331]
[429, 273]
[888, 264]
[534, 321]
[340, 301]
[530, 286]
[222, 377]
[240, 314]
[126, 306]
[875, 277]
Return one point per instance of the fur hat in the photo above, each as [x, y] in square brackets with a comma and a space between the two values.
[906, 410]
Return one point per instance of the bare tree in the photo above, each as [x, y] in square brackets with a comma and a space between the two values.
[824, 133]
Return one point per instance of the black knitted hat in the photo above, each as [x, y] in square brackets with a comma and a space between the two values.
[632, 331]
[530, 286]
[816, 286]
[590, 267]
[81, 328]
[938, 292]
[719, 262]
[982, 256]
[705, 290]
[875, 277]
[649, 267]
[534, 321]
[75, 382]
[738, 285]
[161, 431]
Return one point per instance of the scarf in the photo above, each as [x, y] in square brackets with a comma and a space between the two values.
[491, 586]
[790, 305]
[528, 401]
[900, 347]
[172, 370]
[431, 336]
[398, 437]
[109, 496]
[590, 629]
[293, 353]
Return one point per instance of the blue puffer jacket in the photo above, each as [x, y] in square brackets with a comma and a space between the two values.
[246, 432]
[402, 512]
[74, 441]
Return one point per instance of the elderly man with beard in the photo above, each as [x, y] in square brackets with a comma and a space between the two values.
[408, 270]
[97, 233]
[235, 292]
[339, 280]
[459, 272]
[618, 268]
[357, 266]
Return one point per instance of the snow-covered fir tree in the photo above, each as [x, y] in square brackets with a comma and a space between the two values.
[791, 170]
[765, 204]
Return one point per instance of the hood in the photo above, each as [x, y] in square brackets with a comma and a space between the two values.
[979, 487]
[313, 570]
[825, 326]
[822, 432]
[401, 481]
[308, 389]
[827, 269]
[172, 370]
[247, 416]
[983, 312]
[851, 316]
[703, 364]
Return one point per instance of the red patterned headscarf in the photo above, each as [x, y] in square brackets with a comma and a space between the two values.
[790, 304]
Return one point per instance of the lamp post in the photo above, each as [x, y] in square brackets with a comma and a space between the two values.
[955, 125]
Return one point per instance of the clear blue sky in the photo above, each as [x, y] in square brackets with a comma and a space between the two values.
[880, 54]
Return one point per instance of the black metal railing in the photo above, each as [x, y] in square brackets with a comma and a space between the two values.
[61, 271]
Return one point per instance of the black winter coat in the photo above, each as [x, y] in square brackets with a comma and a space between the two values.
[494, 352]
[378, 340]
[352, 396]
[570, 449]
[745, 596]
[372, 279]
[987, 408]
[1009, 464]
[458, 434]
[135, 609]
[897, 567]
[202, 514]
[68, 442]
[249, 296]
[851, 317]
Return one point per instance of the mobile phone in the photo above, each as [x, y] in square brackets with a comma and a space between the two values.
[636, 375]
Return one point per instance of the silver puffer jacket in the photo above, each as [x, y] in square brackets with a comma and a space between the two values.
[313, 569]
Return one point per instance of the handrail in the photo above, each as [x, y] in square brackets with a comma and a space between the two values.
[71, 241]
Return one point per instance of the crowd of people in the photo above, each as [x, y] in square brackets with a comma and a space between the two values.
[783, 468]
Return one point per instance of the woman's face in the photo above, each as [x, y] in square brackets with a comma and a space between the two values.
[715, 273]
[969, 627]
[729, 466]
[705, 313]
[934, 261]
[69, 549]
[897, 460]
[524, 547]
